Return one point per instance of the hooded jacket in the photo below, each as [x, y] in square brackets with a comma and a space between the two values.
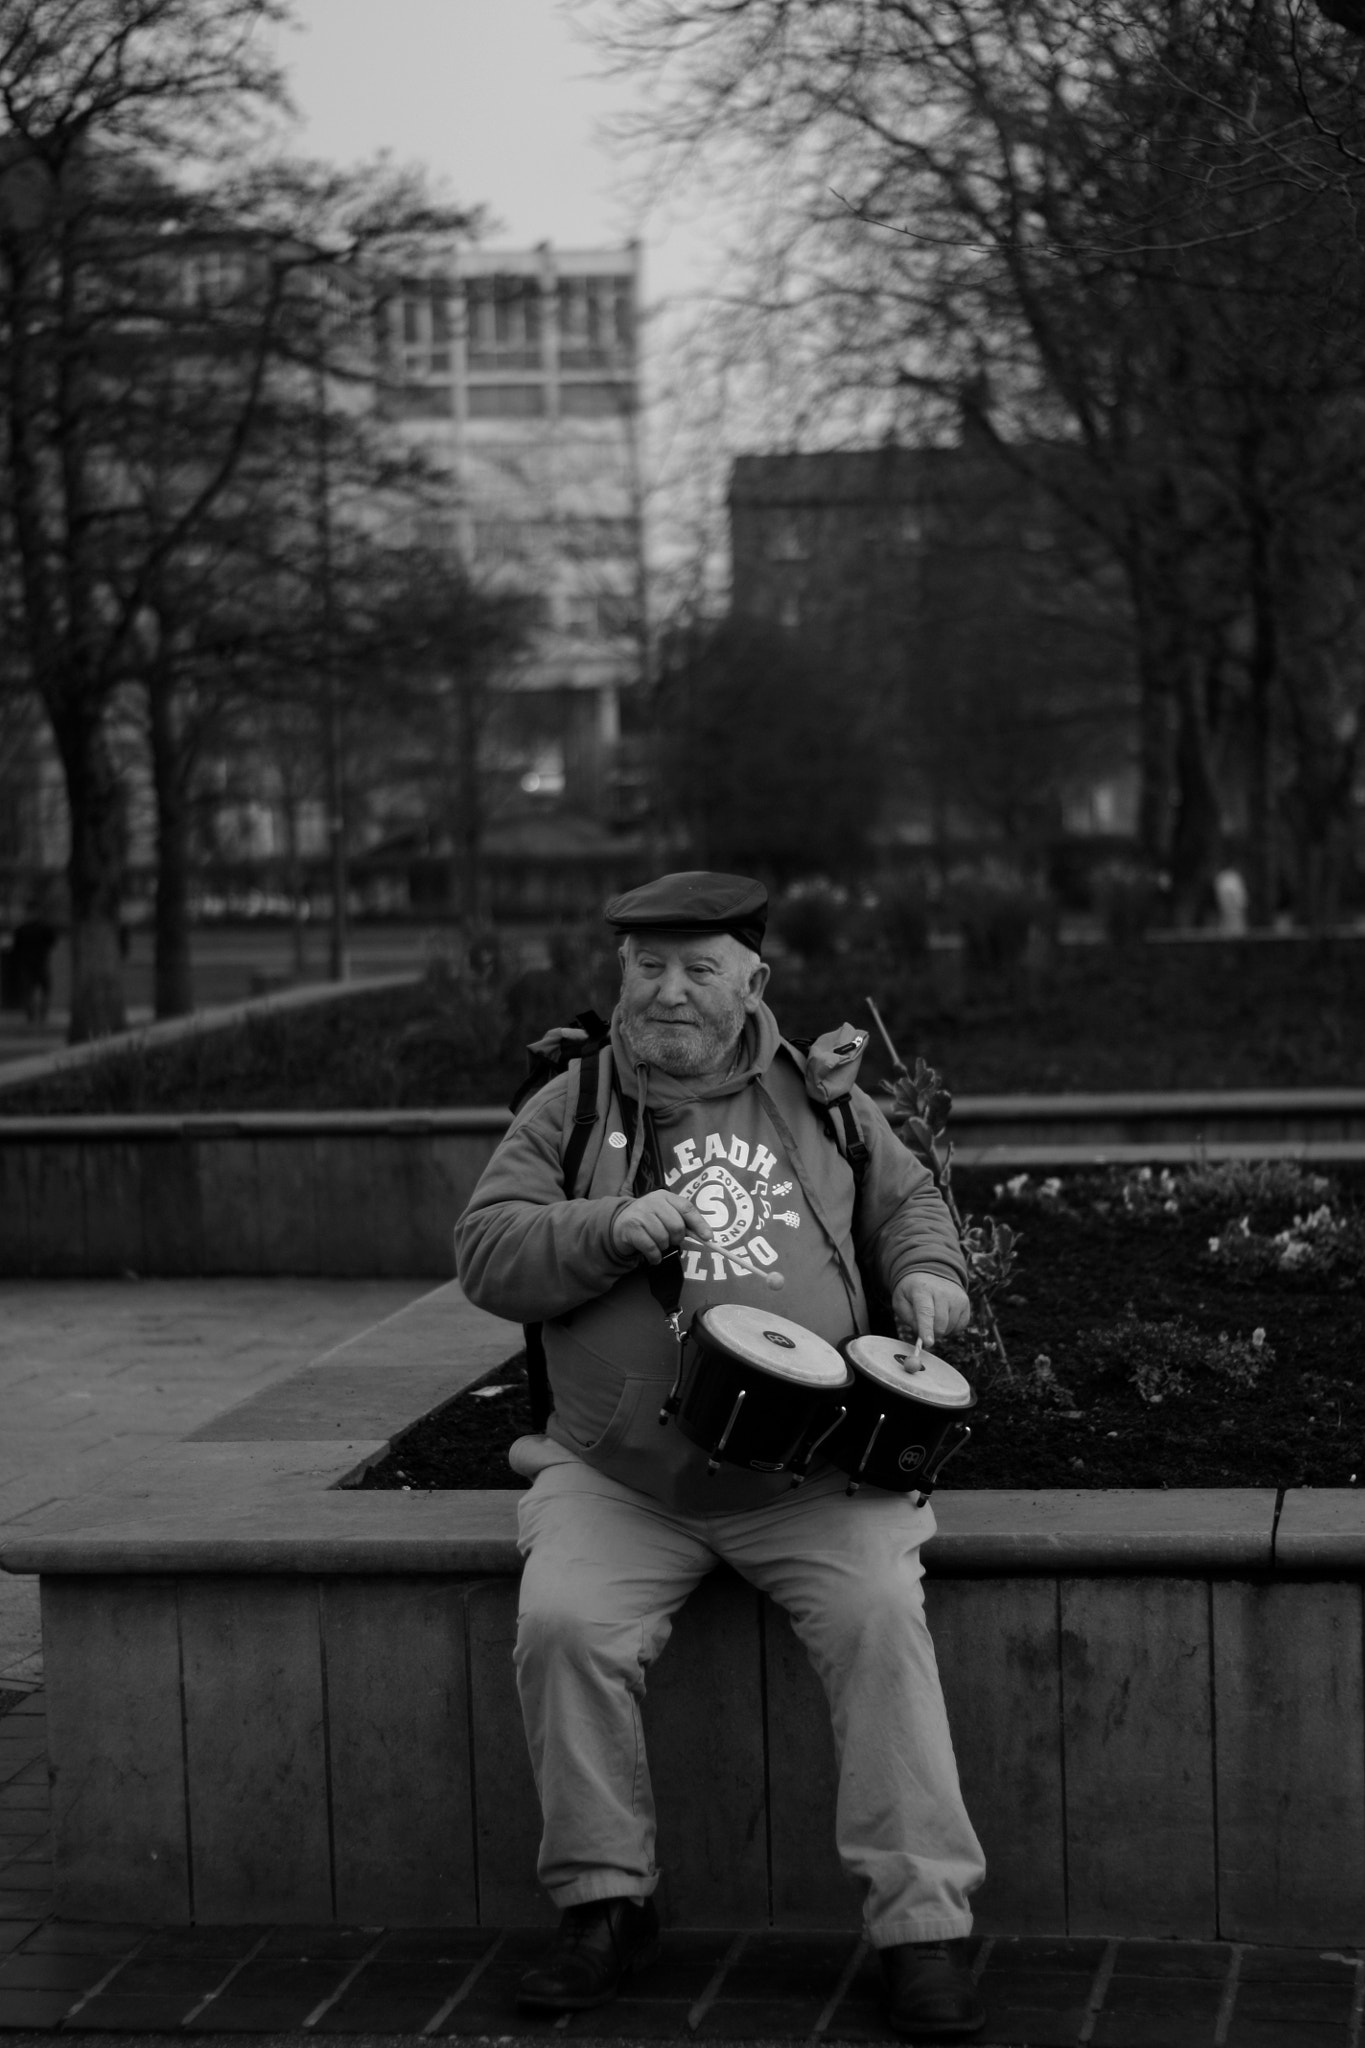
[753, 1153]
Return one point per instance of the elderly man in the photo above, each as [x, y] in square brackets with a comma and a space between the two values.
[707, 1141]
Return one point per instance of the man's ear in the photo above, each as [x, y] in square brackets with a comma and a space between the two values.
[758, 981]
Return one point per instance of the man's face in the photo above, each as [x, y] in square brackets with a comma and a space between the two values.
[684, 999]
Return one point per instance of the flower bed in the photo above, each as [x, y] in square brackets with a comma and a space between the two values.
[1195, 1326]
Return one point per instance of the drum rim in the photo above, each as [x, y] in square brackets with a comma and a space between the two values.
[774, 1367]
[911, 1386]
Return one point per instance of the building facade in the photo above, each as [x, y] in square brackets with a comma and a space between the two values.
[518, 372]
[968, 615]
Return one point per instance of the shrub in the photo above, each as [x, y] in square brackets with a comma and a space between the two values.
[1316, 1244]
[1271, 1190]
[996, 911]
[900, 917]
[1165, 1360]
[810, 917]
[1126, 898]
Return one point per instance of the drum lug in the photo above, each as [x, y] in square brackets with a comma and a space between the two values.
[673, 1399]
[800, 1470]
[964, 1430]
[713, 1462]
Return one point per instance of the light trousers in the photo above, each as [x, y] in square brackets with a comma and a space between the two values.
[606, 1570]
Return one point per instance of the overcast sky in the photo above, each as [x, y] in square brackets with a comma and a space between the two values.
[498, 97]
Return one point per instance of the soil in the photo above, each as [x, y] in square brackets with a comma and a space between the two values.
[1154, 1015]
[1108, 1279]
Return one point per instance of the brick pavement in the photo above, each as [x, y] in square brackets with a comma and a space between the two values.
[93, 1373]
[90, 1981]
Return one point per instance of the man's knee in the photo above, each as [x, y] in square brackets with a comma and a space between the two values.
[558, 1625]
[883, 1609]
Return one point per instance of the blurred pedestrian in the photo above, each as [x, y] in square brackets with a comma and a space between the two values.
[1230, 894]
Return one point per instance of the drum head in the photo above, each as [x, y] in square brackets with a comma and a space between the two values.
[772, 1344]
[886, 1359]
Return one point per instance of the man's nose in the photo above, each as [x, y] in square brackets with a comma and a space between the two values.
[672, 986]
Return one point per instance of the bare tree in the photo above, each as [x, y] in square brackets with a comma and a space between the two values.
[1140, 222]
[146, 249]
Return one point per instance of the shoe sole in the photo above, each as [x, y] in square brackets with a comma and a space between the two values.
[528, 2002]
[943, 2030]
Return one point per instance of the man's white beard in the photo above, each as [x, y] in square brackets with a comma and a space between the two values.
[684, 1050]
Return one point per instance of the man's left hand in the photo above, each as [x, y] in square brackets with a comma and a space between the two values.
[929, 1307]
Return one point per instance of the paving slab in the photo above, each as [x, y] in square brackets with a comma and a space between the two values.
[94, 1374]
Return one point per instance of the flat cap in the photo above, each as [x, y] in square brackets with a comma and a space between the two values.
[695, 901]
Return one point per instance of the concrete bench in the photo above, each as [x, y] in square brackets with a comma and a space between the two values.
[275, 1697]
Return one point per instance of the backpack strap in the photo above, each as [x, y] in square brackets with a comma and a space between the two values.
[584, 1117]
[837, 1117]
[839, 1113]
[585, 1080]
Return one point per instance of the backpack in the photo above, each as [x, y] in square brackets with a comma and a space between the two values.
[583, 1044]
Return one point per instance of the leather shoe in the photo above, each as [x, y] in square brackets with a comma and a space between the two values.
[929, 1991]
[597, 1945]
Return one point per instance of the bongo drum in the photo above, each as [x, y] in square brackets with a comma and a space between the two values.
[757, 1390]
[902, 1424]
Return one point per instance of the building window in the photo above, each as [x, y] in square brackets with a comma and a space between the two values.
[598, 615]
[596, 401]
[419, 402]
[617, 618]
[423, 321]
[593, 539]
[506, 401]
[785, 543]
[596, 322]
[503, 323]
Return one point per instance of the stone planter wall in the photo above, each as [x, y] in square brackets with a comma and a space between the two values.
[376, 1192]
[274, 1697]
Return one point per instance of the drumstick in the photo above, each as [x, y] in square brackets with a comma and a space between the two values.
[738, 1261]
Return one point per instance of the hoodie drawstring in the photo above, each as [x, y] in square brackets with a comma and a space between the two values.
[638, 1148]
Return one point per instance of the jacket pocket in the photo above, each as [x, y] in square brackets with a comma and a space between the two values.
[638, 1400]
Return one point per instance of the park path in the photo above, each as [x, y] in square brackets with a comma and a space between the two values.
[94, 1373]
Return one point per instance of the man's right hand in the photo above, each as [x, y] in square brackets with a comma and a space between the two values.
[655, 1224]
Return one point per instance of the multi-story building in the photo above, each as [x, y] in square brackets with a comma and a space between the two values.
[516, 373]
[519, 372]
[967, 612]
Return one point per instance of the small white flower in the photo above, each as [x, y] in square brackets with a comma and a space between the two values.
[1257, 1338]
[1215, 1245]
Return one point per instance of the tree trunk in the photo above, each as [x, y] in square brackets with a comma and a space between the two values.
[1263, 662]
[174, 980]
[469, 694]
[1160, 634]
[95, 878]
[1197, 841]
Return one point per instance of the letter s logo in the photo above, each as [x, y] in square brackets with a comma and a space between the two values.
[714, 1207]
